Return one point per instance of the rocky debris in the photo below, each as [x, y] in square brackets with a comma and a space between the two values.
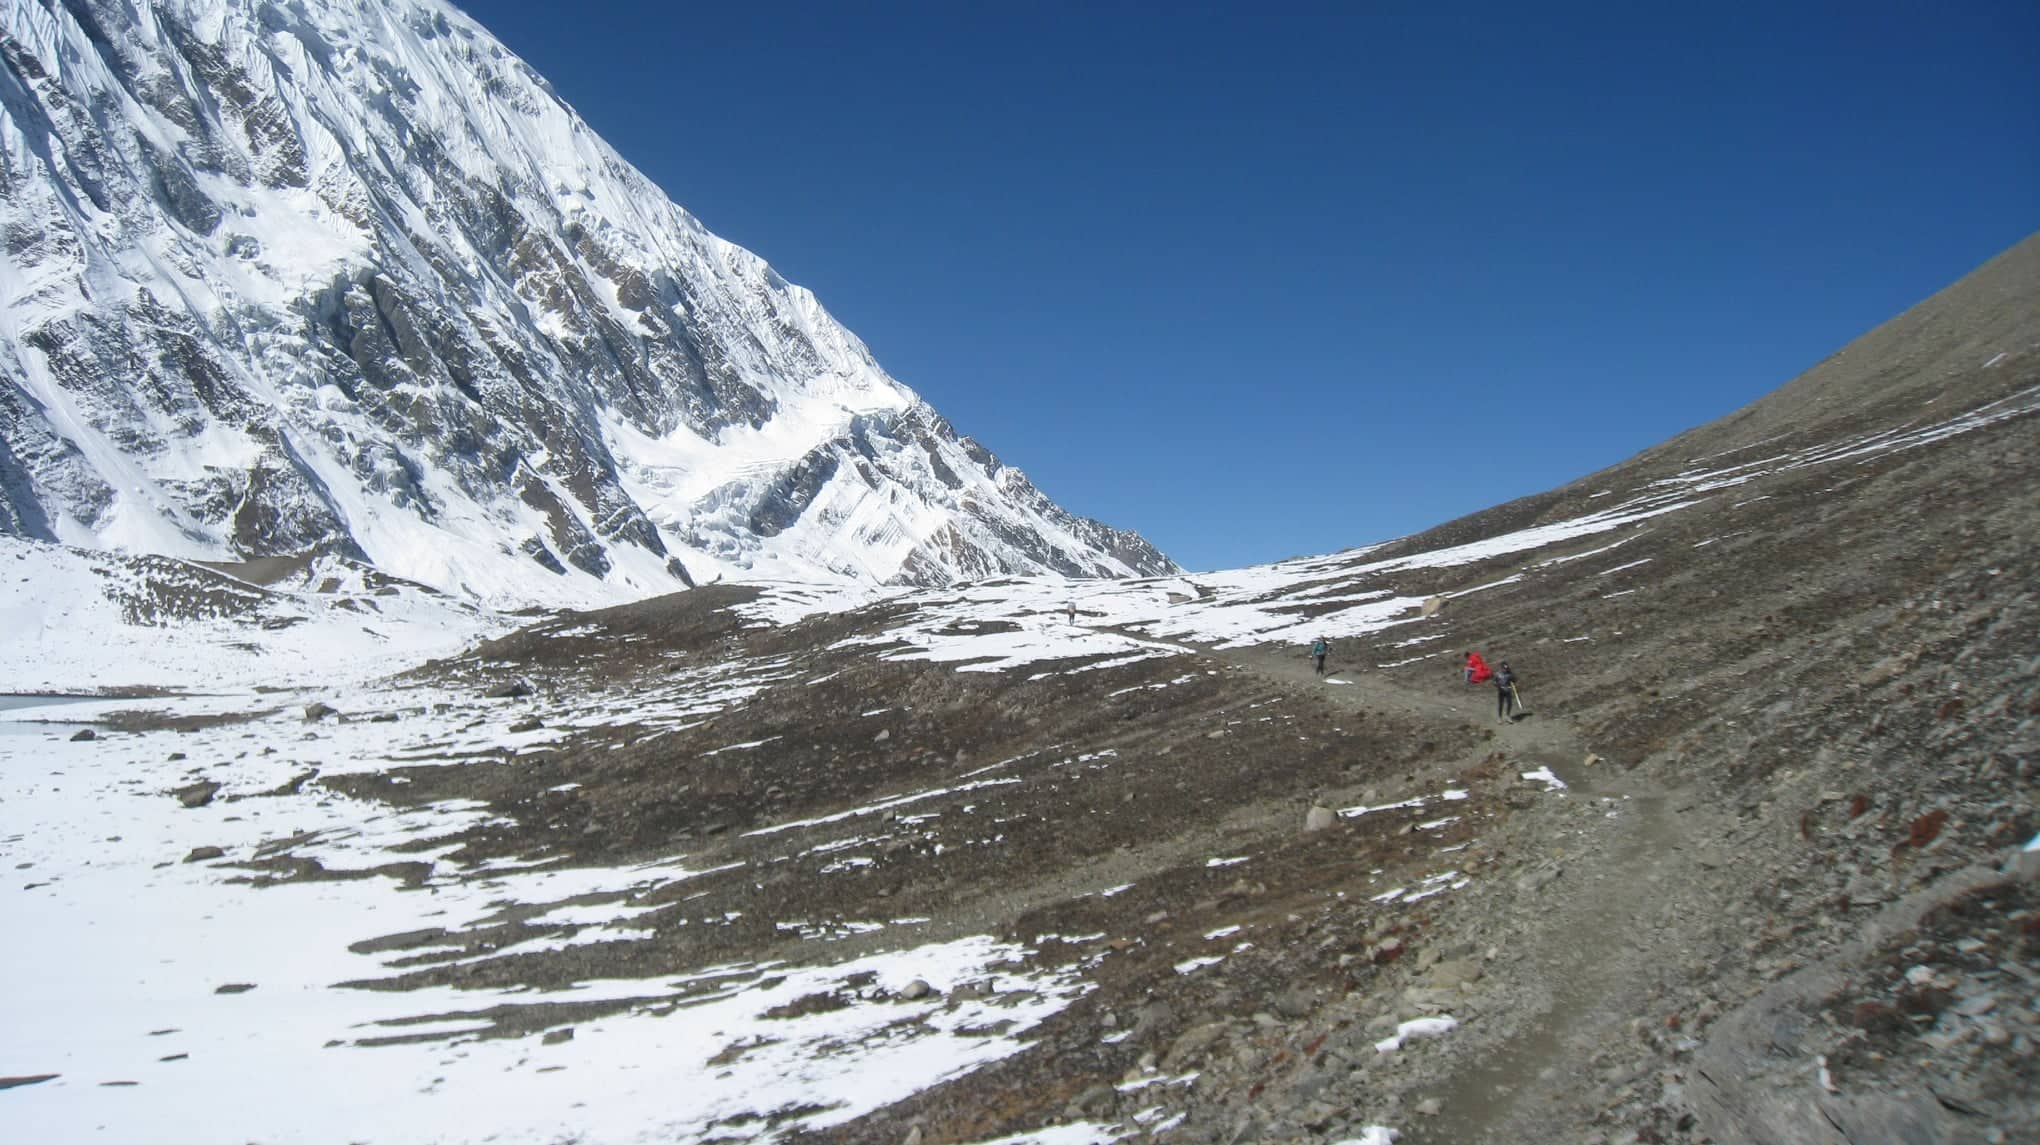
[527, 724]
[197, 794]
[507, 690]
[201, 854]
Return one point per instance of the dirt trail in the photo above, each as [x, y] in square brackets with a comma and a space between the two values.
[1584, 961]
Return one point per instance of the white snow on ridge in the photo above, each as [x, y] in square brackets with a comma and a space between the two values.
[65, 626]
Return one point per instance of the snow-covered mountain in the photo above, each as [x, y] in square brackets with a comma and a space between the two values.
[347, 276]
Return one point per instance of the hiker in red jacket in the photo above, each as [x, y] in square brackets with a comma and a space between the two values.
[1476, 669]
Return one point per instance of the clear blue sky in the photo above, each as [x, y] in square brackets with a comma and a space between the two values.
[1271, 279]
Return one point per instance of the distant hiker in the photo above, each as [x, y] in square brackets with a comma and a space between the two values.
[1477, 671]
[1318, 652]
[1505, 692]
[1072, 608]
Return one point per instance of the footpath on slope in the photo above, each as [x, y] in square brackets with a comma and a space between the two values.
[1579, 959]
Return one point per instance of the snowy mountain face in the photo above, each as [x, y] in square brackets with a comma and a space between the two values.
[346, 276]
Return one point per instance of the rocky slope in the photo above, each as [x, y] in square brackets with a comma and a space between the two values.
[781, 863]
[348, 277]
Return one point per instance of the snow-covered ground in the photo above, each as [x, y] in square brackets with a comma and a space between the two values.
[174, 1001]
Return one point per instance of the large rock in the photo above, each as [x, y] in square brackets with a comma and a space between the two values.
[197, 794]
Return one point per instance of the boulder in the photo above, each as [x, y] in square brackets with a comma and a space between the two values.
[201, 854]
[1319, 817]
[84, 734]
[916, 990]
[508, 690]
[1433, 605]
[319, 711]
[197, 794]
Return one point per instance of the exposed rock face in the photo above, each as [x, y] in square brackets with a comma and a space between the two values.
[349, 277]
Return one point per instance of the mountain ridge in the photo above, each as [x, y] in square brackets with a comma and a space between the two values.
[351, 277]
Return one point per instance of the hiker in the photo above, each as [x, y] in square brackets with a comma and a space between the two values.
[1505, 692]
[1072, 607]
[1318, 652]
[1477, 671]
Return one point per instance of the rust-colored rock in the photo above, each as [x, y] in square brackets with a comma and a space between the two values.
[1927, 828]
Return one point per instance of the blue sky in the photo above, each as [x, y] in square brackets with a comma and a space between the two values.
[1272, 279]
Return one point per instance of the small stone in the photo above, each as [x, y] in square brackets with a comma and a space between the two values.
[555, 1037]
[1093, 1101]
[1192, 1043]
[1978, 1006]
[316, 712]
[1430, 1107]
[1454, 972]
[509, 690]
[528, 724]
[201, 854]
[1152, 1017]
[916, 990]
[234, 988]
[1319, 817]
[83, 734]
[176, 757]
[1294, 1003]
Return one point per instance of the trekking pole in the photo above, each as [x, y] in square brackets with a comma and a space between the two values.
[1516, 694]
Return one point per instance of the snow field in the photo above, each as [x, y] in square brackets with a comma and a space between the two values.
[144, 1041]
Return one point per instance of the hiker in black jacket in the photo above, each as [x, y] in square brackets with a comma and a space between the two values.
[1505, 692]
